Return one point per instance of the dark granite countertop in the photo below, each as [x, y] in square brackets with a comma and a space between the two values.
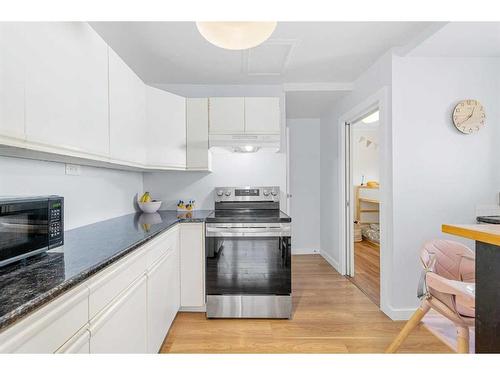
[31, 283]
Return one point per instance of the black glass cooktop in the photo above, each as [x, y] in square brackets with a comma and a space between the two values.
[248, 216]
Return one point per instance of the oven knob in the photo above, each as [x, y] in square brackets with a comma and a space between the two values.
[274, 193]
[220, 193]
[266, 192]
[228, 193]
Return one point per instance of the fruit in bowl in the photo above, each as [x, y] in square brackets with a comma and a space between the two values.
[147, 204]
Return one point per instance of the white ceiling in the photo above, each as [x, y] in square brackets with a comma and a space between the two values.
[462, 39]
[174, 52]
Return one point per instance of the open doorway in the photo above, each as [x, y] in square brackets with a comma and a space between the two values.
[363, 183]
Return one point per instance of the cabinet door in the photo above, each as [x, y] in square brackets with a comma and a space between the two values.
[67, 86]
[198, 155]
[127, 112]
[166, 128]
[12, 65]
[227, 115]
[122, 326]
[163, 298]
[262, 115]
[192, 253]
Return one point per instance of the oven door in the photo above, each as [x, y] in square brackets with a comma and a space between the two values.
[248, 259]
[23, 229]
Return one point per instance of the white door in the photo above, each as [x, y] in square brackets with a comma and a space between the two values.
[122, 326]
[262, 115]
[166, 128]
[127, 112]
[163, 298]
[198, 156]
[67, 86]
[192, 256]
[12, 71]
[227, 115]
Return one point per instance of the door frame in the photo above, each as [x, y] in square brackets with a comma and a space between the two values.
[378, 100]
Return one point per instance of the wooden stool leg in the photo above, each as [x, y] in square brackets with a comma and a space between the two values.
[409, 326]
[463, 340]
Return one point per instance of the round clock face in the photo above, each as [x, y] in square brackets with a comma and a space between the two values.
[469, 116]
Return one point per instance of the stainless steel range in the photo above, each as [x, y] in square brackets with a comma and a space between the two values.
[248, 260]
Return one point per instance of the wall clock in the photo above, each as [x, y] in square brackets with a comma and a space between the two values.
[469, 116]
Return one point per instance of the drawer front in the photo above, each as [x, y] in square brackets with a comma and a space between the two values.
[78, 344]
[48, 328]
[161, 245]
[109, 283]
[122, 326]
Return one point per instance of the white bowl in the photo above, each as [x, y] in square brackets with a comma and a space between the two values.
[149, 207]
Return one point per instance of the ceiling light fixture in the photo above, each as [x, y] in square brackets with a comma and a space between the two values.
[236, 35]
[371, 118]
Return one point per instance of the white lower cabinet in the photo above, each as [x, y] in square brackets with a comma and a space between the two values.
[78, 344]
[122, 326]
[192, 244]
[163, 298]
[126, 308]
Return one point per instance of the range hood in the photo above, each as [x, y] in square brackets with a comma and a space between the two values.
[245, 142]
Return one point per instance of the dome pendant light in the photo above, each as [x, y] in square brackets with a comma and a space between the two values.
[236, 35]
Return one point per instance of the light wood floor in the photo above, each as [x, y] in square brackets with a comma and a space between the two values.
[330, 315]
[367, 269]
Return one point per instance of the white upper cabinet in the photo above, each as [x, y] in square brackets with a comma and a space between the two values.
[262, 115]
[66, 86]
[166, 128]
[127, 112]
[12, 70]
[227, 115]
[198, 155]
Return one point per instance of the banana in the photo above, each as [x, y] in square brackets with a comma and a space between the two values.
[146, 197]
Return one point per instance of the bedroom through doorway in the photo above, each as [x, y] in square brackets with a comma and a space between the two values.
[365, 177]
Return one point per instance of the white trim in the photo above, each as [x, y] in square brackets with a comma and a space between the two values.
[193, 308]
[330, 260]
[379, 99]
[305, 251]
[399, 314]
[318, 86]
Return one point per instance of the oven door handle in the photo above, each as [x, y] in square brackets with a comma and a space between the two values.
[247, 232]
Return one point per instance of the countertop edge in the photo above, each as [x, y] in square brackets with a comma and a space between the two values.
[38, 302]
[473, 232]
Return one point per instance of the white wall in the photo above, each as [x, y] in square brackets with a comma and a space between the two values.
[228, 169]
[304, 184]
[379, 75]
[97, 194]
[440, 174]
[365, 158]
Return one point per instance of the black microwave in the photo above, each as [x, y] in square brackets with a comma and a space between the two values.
[29, 226]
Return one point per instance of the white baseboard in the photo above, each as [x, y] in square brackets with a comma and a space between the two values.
[398, 314]
[193, 308]
[305, 251]
[330, 260]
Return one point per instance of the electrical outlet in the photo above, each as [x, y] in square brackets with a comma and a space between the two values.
[73, 169]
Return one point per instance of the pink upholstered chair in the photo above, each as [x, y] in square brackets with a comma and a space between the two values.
[449, 282]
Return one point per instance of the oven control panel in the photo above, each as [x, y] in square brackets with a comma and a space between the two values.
[247, 194]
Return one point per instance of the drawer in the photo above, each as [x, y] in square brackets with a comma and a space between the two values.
[109, 283]
[161, 245]
[49, 327]
[78, 344]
